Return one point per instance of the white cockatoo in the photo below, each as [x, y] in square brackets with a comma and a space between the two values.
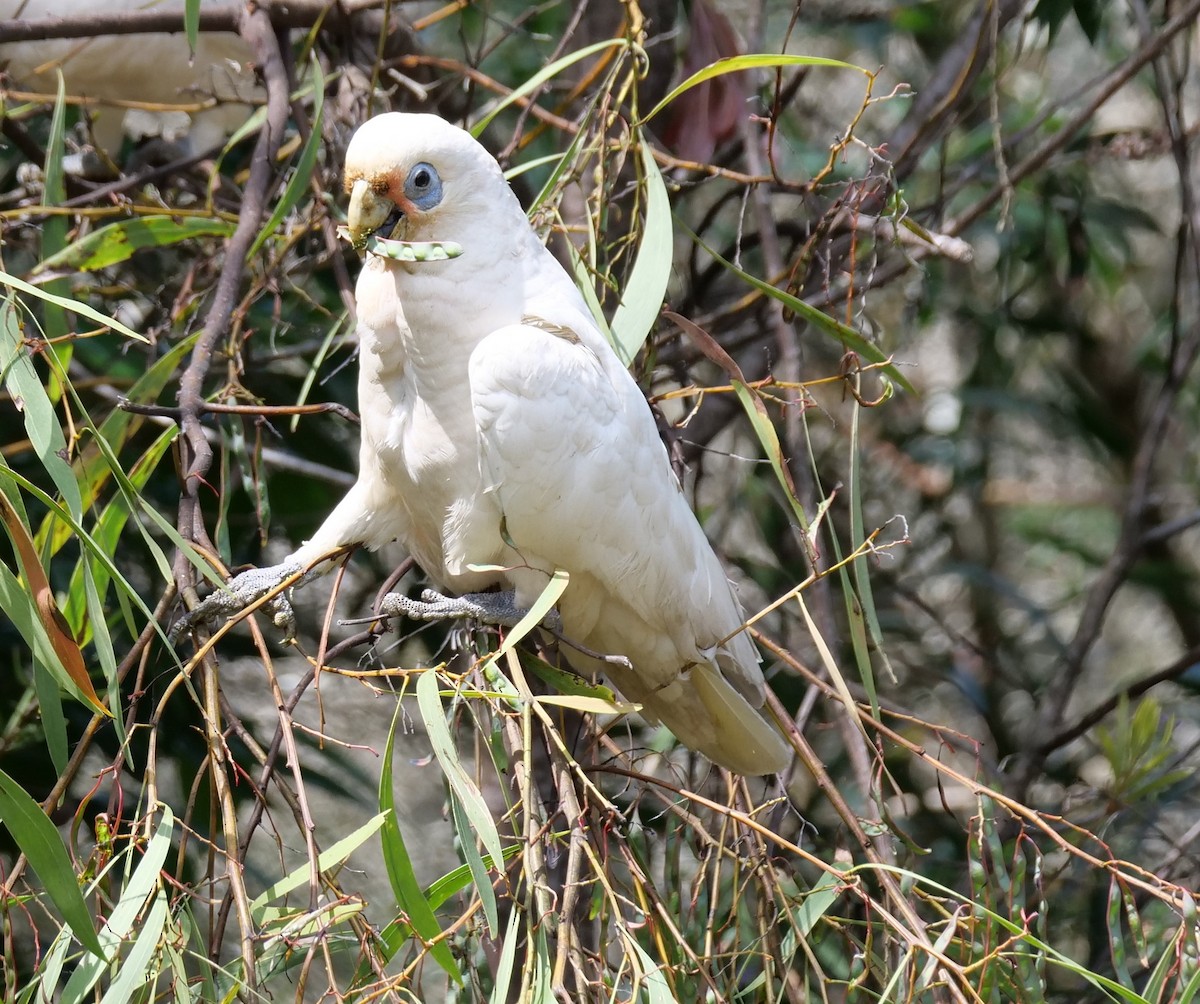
[500, 430]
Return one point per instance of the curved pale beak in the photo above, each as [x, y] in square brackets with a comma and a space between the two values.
[367, 213]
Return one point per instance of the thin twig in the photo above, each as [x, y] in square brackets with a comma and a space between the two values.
[1176, 669]
[252, 410]
[256, 29]
[280, 15]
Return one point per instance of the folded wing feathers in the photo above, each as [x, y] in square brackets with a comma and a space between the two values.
[521, 441]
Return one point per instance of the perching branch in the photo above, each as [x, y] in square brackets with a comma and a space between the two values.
[255, 27]
[258, 31]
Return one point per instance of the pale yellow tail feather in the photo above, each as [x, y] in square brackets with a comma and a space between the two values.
[723, 726]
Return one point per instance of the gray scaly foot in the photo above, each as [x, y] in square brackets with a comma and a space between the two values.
[242, 590]
[499, 609]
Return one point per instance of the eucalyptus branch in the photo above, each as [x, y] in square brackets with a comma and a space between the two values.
[279, 15]
[249, 410]
[256, 28]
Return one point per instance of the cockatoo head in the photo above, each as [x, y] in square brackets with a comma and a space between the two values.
[419, 178]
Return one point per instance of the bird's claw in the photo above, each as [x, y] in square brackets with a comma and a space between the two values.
[487, 608]
[499, 609]
[242, 590]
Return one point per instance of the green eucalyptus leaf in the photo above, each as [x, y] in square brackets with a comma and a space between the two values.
[118, 241]
[43, 848]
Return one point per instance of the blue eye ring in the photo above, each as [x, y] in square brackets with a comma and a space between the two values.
[423, 187]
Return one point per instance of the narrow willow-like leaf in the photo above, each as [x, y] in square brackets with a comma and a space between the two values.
[930, 975]
[1116, 937]
[845, 334]
[43, 848]
[756, 411]
[314, 367]
[537, 613]
[479, 871]
[653, 982]
[1156, 984]
[456, 880]
[557, 159]
[193, 942]
[1020, 869]
[298, 183]
[50, 710]
[98, 554]
[399, 865]
[67, 639]
[571, 685]
[333, 856]
[142, 884]
[253, 484]
[856, 595]
[21, 286]
[53, 623]
[37, 410]
[54, 229]
[765, 432]
[816, 904]
[831, 666]
[750, 61]
[446, 752]
[103, 647]
[117, 242]
[49, 971]
[540, 990]
[191, 24]
[107, 532]
[646, 287]
[1189, 993]
[142, 507]
[565, 160]
[508, 956]
[998, 872]
[583, 282]
[19, 608]
[587, 705]
[180, 989]
[135, 969]
[116, 429]
[539, 78]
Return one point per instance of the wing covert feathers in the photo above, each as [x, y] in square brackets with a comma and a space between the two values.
[570, 452]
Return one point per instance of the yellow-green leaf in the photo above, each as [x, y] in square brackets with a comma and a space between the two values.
[845, 334]
[399, 865]
[646, 287]
[751, 61]
[21, 286]
[43, 848]
[118, 241]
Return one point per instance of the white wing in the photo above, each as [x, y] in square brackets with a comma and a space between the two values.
[571, 455]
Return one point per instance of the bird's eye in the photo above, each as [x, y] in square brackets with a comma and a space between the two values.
[423, 186]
